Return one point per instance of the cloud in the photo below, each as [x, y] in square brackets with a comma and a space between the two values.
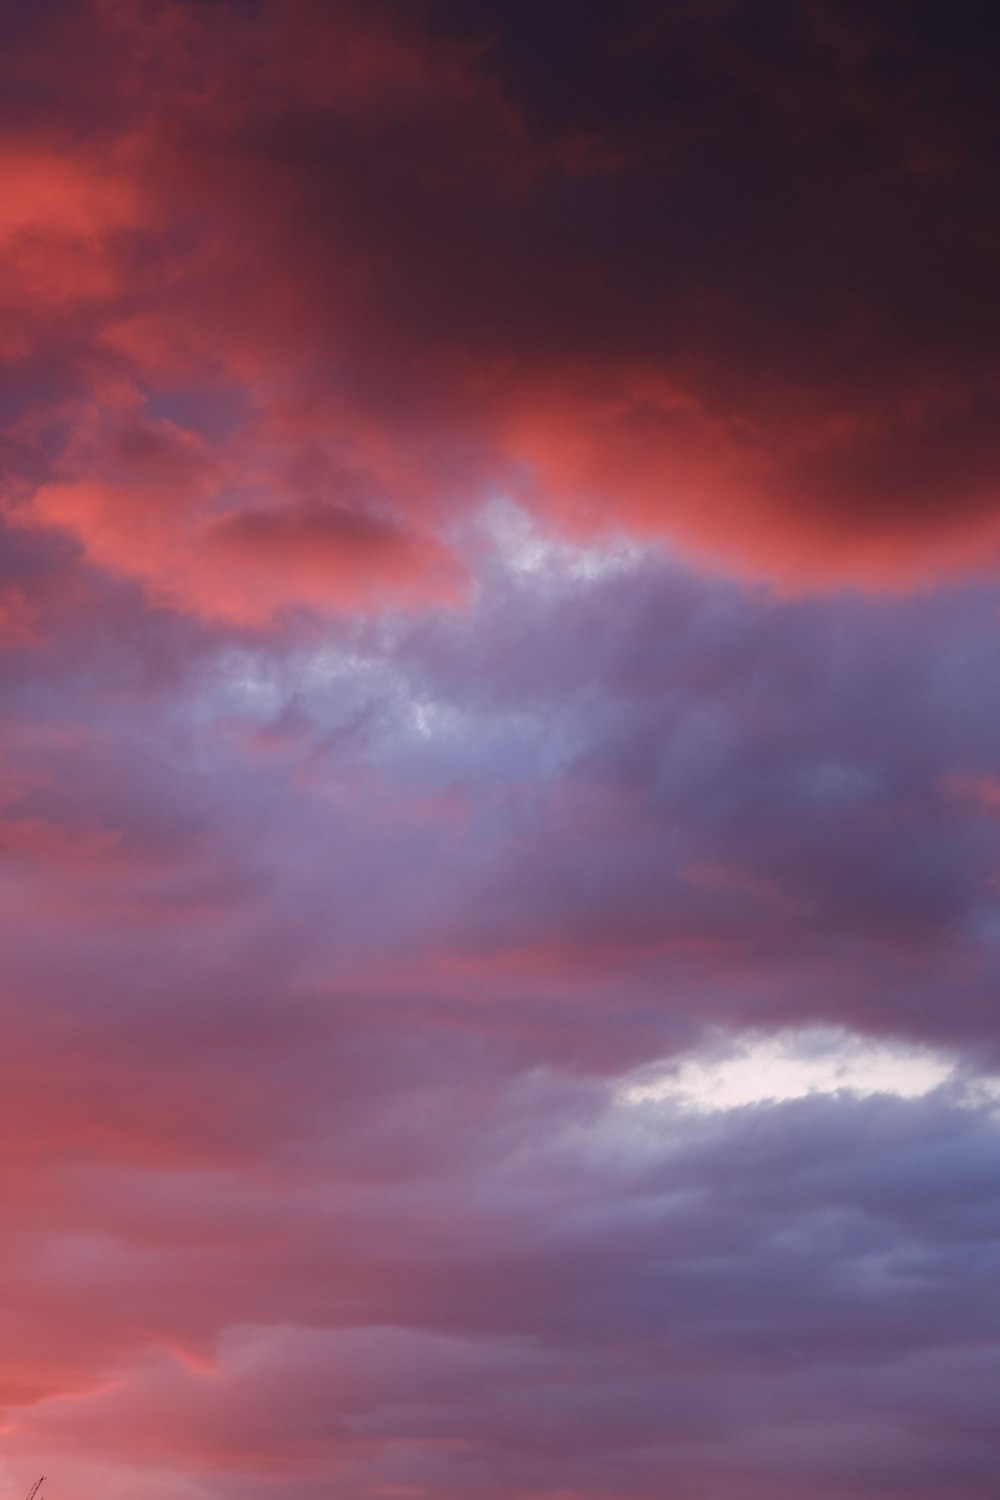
[746, 314]
[494, 1010]
[794, 1065]
[777, 1299]
[336, 1174]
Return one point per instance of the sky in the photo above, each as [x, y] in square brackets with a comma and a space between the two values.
[499, 749]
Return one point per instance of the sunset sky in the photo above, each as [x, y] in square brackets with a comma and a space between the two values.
[500, 749]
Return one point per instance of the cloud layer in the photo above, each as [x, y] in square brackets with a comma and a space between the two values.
[499, 777]
[339, 976]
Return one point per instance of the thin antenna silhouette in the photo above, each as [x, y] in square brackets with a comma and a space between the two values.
[35, 1488]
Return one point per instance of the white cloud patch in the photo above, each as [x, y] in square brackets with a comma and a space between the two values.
[793, 1064]
[526, 550]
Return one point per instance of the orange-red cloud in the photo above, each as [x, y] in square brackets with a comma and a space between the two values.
[408, 259]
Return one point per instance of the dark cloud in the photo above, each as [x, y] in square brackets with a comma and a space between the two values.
[720, 278]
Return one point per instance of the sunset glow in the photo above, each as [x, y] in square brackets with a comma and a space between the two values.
[499, 750]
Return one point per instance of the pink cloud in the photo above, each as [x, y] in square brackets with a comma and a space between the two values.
[359, 856]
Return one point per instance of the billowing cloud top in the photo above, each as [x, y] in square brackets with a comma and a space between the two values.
[499, 764]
